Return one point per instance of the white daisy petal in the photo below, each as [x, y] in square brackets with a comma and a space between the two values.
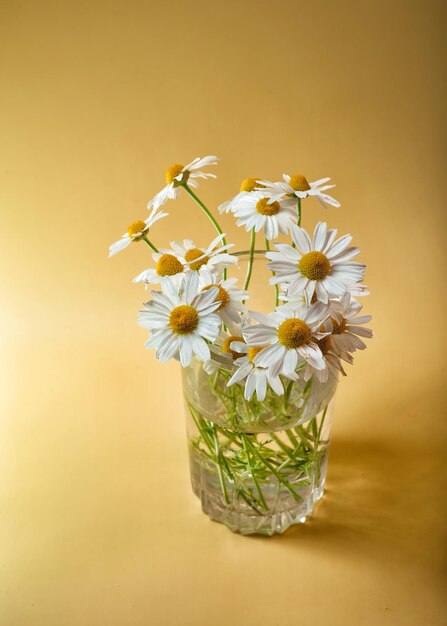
[250, 385]
[191, 286]
[261, 385]
[269, 354]
[338, 246]
[178, 327]
[186, 350]
[290, 361]
[119, 245]
[242, 372]
[301, 239]
[320, 236]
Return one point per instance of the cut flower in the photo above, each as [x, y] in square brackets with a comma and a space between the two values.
[259, 211]
[346, 326]
[229, 297]
[298, 186]
[256, 378]
[136, 231]
[321, 266]
[208, 261]
[291, 336]
[178, 175]
[247, 186]
[181, 321]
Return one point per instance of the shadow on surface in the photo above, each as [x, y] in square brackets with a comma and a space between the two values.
[378, 495]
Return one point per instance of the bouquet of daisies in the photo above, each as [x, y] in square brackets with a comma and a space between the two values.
[199, 312]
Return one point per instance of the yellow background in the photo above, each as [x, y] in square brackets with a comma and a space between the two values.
[98, 524]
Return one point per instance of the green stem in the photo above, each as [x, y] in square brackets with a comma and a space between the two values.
[150, 244]
[252, 473]
[313, 428]
[320, 429]
[283, 446]
[242, 252]
[204, 434]
[249, 502]
[279, 478]
[287, 394]
[250, 259]
[218, 461]
[267, 245]
[292, 438]
[304, 435]
[206, 211]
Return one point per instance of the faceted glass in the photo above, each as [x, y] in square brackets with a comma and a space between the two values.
[257, 467]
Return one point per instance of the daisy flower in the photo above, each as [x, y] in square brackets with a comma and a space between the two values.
[206, 262]
[181, 321]
[222, 345]
[185, 257]
[291, 336]
[247, 186]
[346, 326]
[257, 211]
[229, 297]
[322, 266]
[167, 264]
[256, 378]
[297, 186]
[136, 231]
[178, 175]
[333, 363]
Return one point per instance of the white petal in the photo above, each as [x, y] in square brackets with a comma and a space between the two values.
[320, 236]
[261, 385]
[359, 330]
[191, 287]
[186, 350]
[276, 384]
[200, 347]
[250, 385]
[119, 245]
[290, 361]
[338, 246]
[240, 373]
[301, 239]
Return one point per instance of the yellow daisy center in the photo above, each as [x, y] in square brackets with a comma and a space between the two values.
[249, 184]
[264, 208]
[226, 346]
[168, 265]
[314, 265]
[174, 171]
[299, 183]
[338, 327]
[294, 333]
[184, 319]
[193, 254]
[136, 228]
[223, 296]
[253, 351]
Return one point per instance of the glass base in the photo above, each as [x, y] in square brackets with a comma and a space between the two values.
[237, 510]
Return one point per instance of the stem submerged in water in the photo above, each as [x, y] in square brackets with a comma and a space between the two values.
[250, 468]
